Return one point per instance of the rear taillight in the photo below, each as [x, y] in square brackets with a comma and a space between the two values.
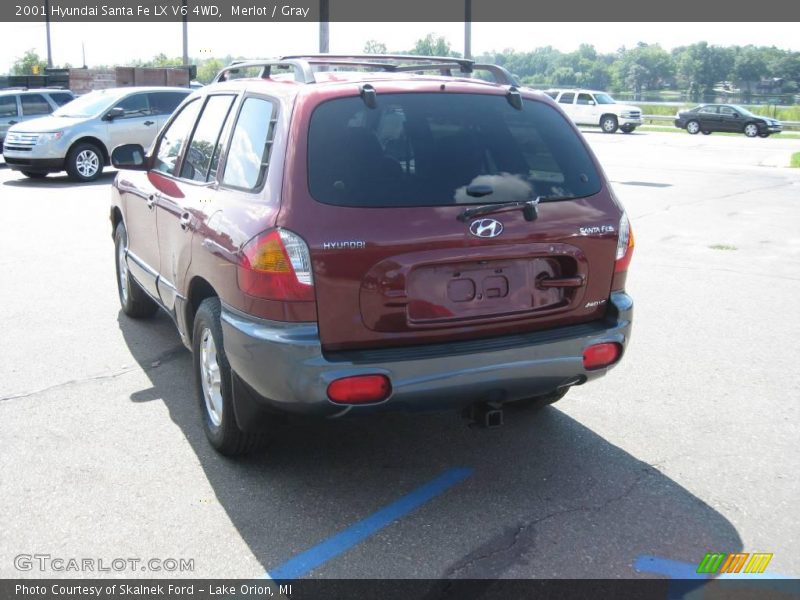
[360, 389]
[601, 355]
[624, 254]
[624, 245]
[276, 265]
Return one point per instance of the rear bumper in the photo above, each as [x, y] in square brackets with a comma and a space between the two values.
[284, 364]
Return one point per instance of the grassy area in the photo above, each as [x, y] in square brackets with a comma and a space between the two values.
[795, 160]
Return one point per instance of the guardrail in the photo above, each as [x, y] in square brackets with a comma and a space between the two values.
[663, 120]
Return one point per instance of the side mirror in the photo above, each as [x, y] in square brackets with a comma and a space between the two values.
[130, 156]
[114, 113]
[736, 115]
[591, 102]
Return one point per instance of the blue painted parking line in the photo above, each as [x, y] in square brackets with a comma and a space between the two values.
[307, 561]
[673, 569]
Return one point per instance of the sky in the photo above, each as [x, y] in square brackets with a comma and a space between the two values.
[120, 43]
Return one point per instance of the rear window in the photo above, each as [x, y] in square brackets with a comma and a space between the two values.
[163, 103]
[34, 104]
[426, 149]
[61, 98]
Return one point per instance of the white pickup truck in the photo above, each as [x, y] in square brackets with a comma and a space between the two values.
[588, 107]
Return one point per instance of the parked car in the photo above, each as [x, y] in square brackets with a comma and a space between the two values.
[17, 106]
[708, 118]
[78, 137]
[333, 242]
[589, 107]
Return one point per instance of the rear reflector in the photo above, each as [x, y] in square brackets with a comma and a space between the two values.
[601, 355]
[361, 389]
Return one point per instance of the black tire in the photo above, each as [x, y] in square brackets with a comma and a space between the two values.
[84, 162]
[34, 175]
[539, 402]
[628, 128]
[133, 300]
[706, 132]
[609, 124]
[220, 425]
[693, 127]
[750, 130]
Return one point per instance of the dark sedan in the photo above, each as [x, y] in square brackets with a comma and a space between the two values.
[726, 117]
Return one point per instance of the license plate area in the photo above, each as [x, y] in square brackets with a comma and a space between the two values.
[488, 289]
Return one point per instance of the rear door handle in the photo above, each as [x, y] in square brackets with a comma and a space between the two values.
[148, 123]
[566, 282]
[185, 220]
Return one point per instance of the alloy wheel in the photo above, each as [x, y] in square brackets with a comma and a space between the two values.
[211, 377]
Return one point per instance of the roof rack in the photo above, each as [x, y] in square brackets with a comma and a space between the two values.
[302, 65]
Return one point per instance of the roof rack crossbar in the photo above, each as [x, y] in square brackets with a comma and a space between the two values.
[302, 69]
[354, 63]
[465, 63]
[304, 73]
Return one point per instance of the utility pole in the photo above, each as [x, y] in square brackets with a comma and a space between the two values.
[185, 33]
[47, 27]
[467, 28]
[324, 32]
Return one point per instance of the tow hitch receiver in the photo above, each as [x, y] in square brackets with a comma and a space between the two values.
[485, 415]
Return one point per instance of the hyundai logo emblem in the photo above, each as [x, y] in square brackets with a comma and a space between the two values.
[486, 228]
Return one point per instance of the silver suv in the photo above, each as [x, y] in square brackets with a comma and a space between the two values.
[80, 136]
[23, 105]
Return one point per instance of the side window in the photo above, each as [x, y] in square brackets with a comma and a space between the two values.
[134, 106]
[552, 94]
[248, 155]
[202, 155]
[585, 99]
[567, 98]
[171, 143]
[34, 104]
[61, 98]
[709, 110]
[727, 111]
[163, 103]
[8, 106]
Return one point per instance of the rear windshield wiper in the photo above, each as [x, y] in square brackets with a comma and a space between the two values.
[530, 208]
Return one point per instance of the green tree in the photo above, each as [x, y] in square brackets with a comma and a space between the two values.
[700, 66]
[25, 64]
[645, 66]
[159, 60]
[208, 69]
[749, 66]
[374, 47]
[433, 45]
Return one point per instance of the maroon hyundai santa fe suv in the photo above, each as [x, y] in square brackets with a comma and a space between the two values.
[335, 235]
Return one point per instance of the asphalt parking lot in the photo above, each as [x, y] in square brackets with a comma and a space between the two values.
[689, 446]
